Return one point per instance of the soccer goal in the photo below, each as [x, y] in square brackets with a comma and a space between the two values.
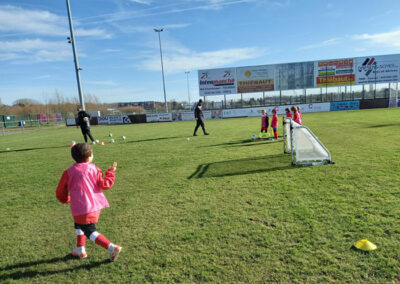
[303, 145]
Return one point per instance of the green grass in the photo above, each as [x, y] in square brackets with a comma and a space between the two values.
[217, 208]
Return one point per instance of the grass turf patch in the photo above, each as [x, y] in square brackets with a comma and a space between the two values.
[218, 208]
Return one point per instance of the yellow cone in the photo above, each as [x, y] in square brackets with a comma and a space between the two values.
[365, 245]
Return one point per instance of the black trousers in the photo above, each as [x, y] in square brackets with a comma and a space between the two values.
[87, 229]
[199, 122]
[86, 133]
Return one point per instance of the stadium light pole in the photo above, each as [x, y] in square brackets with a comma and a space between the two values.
[187, 79]
[71, 40]
[162, 67]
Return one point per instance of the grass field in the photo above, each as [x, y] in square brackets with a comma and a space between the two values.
[218, 208]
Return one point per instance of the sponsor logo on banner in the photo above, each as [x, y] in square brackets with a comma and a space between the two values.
[335, 73]
[378, 69]
[156, 117]
[217, 82]
[349, 105]
[102, 120]
[165, 117]
[255, 79]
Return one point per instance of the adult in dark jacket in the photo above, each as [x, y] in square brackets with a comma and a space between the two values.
[198, 116]
[83, 121]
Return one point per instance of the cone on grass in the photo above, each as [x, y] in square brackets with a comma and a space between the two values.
[365, 245]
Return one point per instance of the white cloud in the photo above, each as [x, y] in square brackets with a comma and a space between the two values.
[36, 50]
[324, 43]
[102, 83]
[180, 62]
[389, 38]
[111, 50]
[145, 2]
[147, 29]
[40, 22]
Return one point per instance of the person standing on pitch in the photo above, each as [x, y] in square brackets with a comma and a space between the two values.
[274, 122]
[198, 116]
[83, 122]
[82, 187]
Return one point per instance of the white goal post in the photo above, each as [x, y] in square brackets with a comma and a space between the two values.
[304, 147]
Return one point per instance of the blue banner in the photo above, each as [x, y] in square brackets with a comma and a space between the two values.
[350, 105]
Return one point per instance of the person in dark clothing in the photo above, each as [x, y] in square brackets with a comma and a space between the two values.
[198, 116]
[83, 121]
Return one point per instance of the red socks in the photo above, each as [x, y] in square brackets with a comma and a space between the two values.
[80, 241]
[276, 134]
[102, 241]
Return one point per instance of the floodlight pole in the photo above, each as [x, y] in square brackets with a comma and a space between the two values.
[187, 79]
[162, 66]
[71, 40]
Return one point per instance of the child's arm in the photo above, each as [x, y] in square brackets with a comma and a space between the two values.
[62, 189]
[108, 181]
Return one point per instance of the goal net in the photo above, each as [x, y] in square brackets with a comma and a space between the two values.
[303, 145]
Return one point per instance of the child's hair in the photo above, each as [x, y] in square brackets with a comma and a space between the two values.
[298, 108]
[81, 152]
[263, 111]
[287, 109]
[293, 108]
[274, 110]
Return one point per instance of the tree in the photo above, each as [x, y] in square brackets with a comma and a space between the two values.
[25, 102]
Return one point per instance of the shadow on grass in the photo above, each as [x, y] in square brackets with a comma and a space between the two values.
[245, 142]
[33, 273]
[383, 125]
[33, 149]
[154, 139]
[243, 166]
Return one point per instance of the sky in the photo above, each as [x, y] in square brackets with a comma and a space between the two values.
[118, 49]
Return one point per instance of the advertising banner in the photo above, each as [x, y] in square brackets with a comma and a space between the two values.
[59, 117]
[255, 79]
[113, 119]
[216, 82]
[187, 116]
[159, 117]
[378, 69]
[256, 111]
[350, 105]
[293, 76]
[165, 117]
[336, 72]
[70, 121]
[42, 117]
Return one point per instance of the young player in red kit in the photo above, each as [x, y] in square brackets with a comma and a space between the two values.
[288, 113]
[296, 116]
[264, 124]
[82, 187]
[301, 116]
[274, 122]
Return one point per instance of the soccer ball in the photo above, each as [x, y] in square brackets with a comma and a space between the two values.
[254, 137]
[111, 140]
[85, 119]
[110, 134]
[97, 141]
[188, 139]
[123, 137]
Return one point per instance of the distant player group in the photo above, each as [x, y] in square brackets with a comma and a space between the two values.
[296, 116]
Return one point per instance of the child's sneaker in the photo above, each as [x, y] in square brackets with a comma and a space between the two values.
[114, 252]
[79, 252]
